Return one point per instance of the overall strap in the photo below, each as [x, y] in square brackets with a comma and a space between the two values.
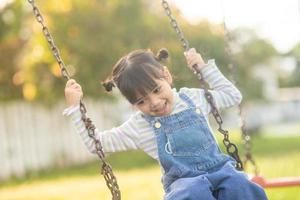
[149, 119]
[184, 97]
[187, 99]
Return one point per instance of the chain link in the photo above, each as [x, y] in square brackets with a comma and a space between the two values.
[231, 148]
[106, 170]
[49, 39]
[175, 25]
[247, 143]
[233, 71]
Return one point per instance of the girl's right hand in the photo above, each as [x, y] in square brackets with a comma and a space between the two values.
[73, 92]
[193, 58]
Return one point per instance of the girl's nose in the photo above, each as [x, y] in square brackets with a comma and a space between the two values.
[154, 102]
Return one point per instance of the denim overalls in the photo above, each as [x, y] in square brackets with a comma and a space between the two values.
[194, 166]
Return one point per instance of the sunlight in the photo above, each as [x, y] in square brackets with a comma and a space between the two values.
[4, 2]
[278, 22]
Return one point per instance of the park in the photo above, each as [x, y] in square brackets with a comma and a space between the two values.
[248, 87]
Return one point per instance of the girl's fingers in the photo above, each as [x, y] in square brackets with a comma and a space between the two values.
[192, 50]
[189, 52]
[192, 60]
[70, 82]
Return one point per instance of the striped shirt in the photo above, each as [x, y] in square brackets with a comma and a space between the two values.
[135, 133]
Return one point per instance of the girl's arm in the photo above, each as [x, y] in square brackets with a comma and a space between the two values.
[120, 138]
[117, 139]
[225, 94]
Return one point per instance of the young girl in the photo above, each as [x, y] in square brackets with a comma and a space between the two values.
[172, 127]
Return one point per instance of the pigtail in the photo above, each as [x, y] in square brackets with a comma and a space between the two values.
[108, 85]
[162, 54]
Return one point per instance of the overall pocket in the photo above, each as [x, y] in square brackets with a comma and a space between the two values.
[190, 140]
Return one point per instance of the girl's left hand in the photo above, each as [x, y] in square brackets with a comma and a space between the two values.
[194, 58]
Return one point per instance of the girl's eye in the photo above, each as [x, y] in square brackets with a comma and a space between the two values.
[156, 90]
[140, 102]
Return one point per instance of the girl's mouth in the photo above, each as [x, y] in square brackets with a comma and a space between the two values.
[162, 110]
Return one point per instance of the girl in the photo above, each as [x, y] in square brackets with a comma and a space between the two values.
[172, 127]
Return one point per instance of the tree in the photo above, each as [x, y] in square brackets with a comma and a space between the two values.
[294, 79]
[250, 51]
[93, 35]
[11, 44]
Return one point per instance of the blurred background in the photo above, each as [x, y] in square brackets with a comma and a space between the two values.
[40, 154]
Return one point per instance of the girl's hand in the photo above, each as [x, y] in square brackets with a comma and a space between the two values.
[194, 58]
[73, 92]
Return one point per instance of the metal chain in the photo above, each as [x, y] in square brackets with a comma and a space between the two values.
[106, 170]
[247, 143]
[175, 25]
[231, 148]
[233, 71]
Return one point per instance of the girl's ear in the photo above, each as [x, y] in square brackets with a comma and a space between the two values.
[168, 75]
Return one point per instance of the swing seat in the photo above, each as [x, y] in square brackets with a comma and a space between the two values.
[276, 182]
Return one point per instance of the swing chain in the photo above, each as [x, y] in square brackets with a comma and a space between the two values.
[231, 148]
[49, 39]
[175, 25]
[247, 143]
[245, 135]
[106, 170]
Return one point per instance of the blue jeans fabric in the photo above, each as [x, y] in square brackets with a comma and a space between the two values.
[194, 166]
[225, 183]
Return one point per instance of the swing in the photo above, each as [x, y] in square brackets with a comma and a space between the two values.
[231, 148]
[256, 178]
[276, 182]
[259, 179]
[106, 170]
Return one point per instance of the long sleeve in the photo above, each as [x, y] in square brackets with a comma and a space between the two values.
[122, 138]
[136, 133]
[223, 91]
[225, 94]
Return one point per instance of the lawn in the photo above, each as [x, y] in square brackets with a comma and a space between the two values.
[139, 176]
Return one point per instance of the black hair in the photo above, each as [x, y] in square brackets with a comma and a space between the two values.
[135, 73]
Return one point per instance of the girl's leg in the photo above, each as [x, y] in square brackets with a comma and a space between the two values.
[194, 188]
[234, 185]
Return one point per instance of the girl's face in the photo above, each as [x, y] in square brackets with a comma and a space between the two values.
[158, 102]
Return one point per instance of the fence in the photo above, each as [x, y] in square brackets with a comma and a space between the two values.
[33, 137]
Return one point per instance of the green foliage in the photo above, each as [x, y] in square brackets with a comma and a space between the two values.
[11, 44]
[275, 156]
[294, 79]
[250, 52]
[264, 148]
[93, 35]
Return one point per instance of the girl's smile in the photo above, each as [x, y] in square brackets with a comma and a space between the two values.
[161, 110]
[158, 102]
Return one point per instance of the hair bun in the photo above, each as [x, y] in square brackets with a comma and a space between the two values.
[108, 85]
[162, 54]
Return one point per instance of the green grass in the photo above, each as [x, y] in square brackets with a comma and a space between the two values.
[139, 175]
[120, 162]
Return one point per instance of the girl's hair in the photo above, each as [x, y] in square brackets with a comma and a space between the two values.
[135, 73]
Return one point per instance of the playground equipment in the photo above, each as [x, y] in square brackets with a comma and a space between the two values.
[231, 148]
[106, 170]
[257, 177]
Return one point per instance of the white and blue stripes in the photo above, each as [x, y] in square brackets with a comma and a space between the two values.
[136, 133]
